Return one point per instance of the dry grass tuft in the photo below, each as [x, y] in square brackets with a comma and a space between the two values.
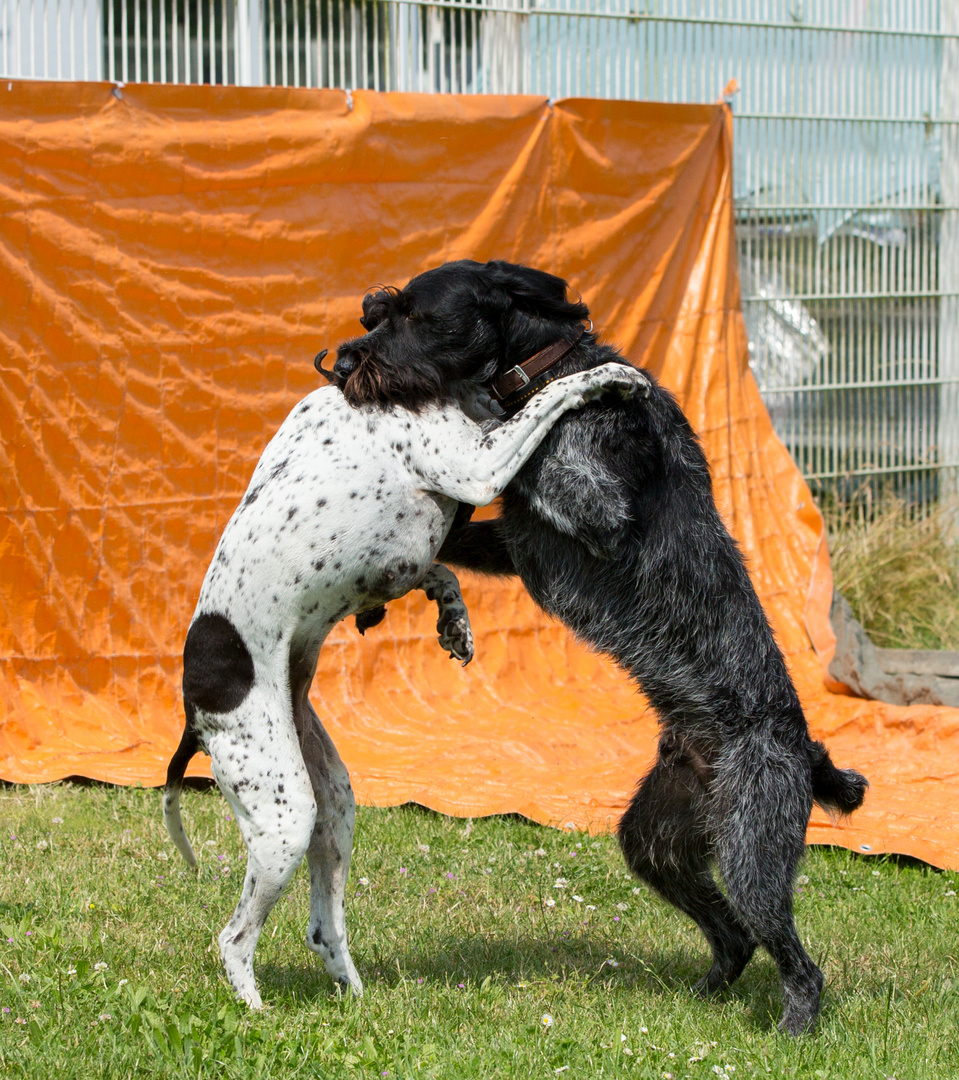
[899, 573]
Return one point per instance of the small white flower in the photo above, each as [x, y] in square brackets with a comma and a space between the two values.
[163, 855]
[549, 902]
[578, 899]
[644, 1031]
[71, 971]
[701, 1051]
[123, 982]
[590, 907]
[876, 873]
[622, 1037]
[540, 851]
[99, 966]
[613, 964]
[24, 978]
[105, 1016]
[637, 890]
[546, 1020]
[42, 845]
[561, 883]
[425, 848]
[622, 907]
[950, 892]
[802, 880]
[627, 1051]
[364, 881]
[56, 821]
[570, 825]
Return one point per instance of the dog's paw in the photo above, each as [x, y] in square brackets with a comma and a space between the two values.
[456, 635]
[346, 987]
[366, 619]
[622, 379]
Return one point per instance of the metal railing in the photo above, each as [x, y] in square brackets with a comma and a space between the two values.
[846, 170]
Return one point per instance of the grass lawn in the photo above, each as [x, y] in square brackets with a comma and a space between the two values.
[490, 948]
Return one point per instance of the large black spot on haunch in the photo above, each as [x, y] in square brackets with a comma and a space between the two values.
[217, 666]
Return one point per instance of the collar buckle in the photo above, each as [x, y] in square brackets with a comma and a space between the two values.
[524, 379]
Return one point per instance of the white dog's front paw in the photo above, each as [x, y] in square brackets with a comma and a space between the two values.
[622, 379]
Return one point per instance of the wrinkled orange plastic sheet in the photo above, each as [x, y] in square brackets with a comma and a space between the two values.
[173, 258]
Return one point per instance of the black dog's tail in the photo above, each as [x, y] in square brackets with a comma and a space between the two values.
[841, 790]
[189, 745]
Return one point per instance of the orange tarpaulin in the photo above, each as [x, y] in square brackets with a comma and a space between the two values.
[172, 259]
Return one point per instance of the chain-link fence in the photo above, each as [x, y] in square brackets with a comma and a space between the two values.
[847, 160]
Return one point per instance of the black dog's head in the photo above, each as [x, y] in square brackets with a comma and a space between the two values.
[462, 323]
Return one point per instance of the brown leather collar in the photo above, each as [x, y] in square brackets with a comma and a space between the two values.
[523, 374]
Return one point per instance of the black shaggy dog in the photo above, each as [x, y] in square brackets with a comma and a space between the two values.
[613, 528]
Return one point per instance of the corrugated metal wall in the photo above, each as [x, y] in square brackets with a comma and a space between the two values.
[847, 160]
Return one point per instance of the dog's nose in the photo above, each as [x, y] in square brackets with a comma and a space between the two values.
[345, 365]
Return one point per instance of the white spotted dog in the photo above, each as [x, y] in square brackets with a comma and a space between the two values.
[346, 510]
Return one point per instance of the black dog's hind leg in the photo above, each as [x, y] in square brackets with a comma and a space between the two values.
[763, 797]
[665, 839]
[480, 547]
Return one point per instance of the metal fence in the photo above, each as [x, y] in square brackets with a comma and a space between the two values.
[847, 160]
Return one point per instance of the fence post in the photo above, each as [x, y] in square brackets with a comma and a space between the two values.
[249, 43]
[949, 253]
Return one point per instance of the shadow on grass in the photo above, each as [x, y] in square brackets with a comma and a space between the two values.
[464, 964]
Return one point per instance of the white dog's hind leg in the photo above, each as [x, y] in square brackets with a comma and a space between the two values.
[330, 849]
[441, 585]
[259, 768]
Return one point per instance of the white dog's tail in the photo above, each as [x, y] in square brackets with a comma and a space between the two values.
[189, 745]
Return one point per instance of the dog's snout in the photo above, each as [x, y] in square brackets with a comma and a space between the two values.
[347, 362]
[344, 366]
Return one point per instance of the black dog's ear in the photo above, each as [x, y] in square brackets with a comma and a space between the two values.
[535, 292]
[376, 302]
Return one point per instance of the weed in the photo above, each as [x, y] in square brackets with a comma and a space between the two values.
[899, 572]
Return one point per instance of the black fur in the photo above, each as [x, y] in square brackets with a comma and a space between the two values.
[217, 676]
[613, 528]
[217, 665]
